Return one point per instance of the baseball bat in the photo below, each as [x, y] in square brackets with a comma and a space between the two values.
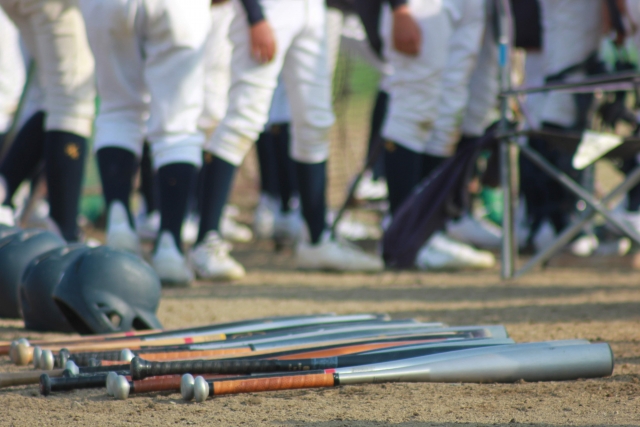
[269, 322]
[552, 363]
[561, 363]
[141, 368]
[263, 324]
[304, 335]
[24, 354]
[345, 346]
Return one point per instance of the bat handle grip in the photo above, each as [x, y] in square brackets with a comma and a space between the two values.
[82, 359]
[273, 384]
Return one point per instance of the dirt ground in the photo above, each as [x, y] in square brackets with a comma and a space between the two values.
[599, 304]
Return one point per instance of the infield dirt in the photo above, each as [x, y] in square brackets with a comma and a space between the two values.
[599, 304]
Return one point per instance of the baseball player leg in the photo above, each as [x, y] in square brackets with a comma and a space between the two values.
[308, 84]
[120, 124]
[24, 156]
[414, 91]
[12, 73]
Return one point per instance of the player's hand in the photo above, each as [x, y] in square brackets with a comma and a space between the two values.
[263, 43]
[406, 33]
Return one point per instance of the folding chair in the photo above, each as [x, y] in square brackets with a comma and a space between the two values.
[510, 145]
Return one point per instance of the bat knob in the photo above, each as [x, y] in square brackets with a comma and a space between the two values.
[63, 356]
[24, 355]
[139, 368]
[121, 388]
[47, 360]
[72, 368]
[112, 377]
[13, 355]
[37, 353]
[45, 385]
[126, 355]
[186, 387]
[200, 389]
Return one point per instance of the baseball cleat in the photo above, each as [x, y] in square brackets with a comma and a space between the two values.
[170, 264]
[210, 259]
[475, 231]
[371, 189]
[443, 253]
[336, 255]
[265, 216]
[234, 231]
[7, 216]
[120, 235]
[147, 225]
[288, 226]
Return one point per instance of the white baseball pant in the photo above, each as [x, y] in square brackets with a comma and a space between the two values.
[280, 112]
[572, 30]
[12, 71]
[217, 68]
[301, 55]
[53, 32]
[434, 84]
[150, 75]
[484, 87]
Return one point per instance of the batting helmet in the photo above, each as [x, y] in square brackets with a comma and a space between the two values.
[16, 252]
[42, 274]
[107, 290]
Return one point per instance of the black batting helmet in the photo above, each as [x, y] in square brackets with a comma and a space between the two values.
[106, 290]
[40, 277]
[17, 250]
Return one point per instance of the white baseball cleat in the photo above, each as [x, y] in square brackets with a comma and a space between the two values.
[265, 216]
[336, 255]
[148, 225]
[443, 253]
[289, 226]
[210, 259]
[120, 235]
[371, 189]
[234, 231]
[169, 263]
[6, 216]
[475, 231]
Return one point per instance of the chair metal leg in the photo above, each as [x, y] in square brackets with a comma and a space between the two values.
[569, 183]
[570, 232]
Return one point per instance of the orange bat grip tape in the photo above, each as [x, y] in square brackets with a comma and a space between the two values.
[273, 384]
[194, 354]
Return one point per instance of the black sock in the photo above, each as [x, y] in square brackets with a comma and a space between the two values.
[175, 181]
[148, 182]
[268, 162]
[117, 167]
[217, 177]
[65, 155]
[24, 155]
[287, 180]
[312, 180]
[404, 170]
[377, 119]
